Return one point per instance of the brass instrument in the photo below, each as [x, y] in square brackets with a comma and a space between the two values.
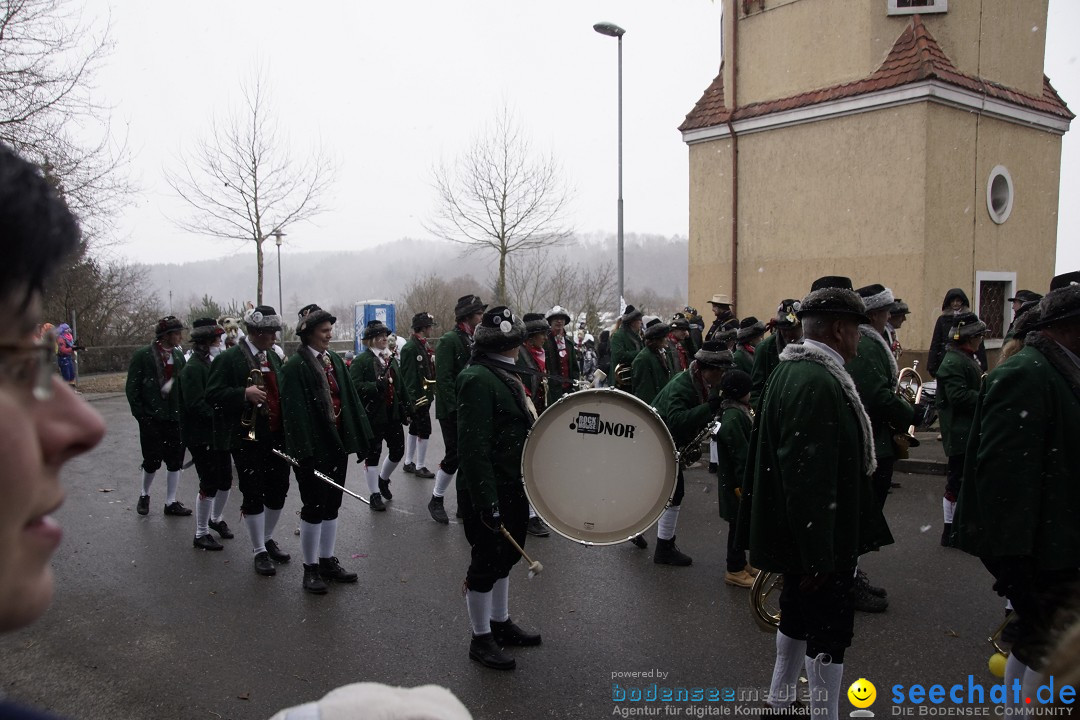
[1001, 654]
[765, 600]
[247, 418]
[909, 386]
[623, 377]
[693, 450]
[424, 400]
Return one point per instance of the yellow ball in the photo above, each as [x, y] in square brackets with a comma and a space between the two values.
[997, 665]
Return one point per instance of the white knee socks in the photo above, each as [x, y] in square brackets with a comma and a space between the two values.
[372, 478]
[824, 677]
[310, 535]
[949, 508]
[172, 481]
[256, 525]
[665, 529]
[500, 600]
[410, 448]
[272, 517]
[147, 481]
[479, 606]
[421, 451]
[713, 456]
[220, 499]
[388, 468]
[328, 538]
[202, 515]
[442, 481]
[790, 658]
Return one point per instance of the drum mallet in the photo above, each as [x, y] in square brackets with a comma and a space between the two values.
[535, 568]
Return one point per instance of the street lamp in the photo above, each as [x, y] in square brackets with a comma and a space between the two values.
[277, 241]
[613, 30]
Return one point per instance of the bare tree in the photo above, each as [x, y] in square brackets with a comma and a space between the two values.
[501, 197]
[537, 281]
[243, 182]
[435, 295]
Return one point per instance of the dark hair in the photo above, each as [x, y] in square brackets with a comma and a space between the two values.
[38, 230]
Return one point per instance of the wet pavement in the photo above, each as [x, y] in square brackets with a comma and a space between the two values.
[144, 626]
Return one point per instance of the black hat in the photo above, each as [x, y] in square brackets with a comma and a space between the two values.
[832, 300]
[787, 313]
[468, 305]
[262, 317]
[714, 354]
[557, 312]
[1060, 304]
[967, 325]
[499, 330]
[375, 328]
[310, 317]
[832, 281]
[750, 328]
[204, 330]
[631, 314]
[899, 307]
[423, 320]
[1027, 318]
[168, 324]
[1060, 281]
[876, 297]
[735, 384]
[657, 329]
[679, 322]
[1025, 296]
[535, 323]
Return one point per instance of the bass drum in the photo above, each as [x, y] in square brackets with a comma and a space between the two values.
[599, 466]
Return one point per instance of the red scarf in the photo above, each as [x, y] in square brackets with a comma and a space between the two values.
[564, 357]
[163, 357]
[748, 348]
[466, 328]
[684, 357]
[273, 397]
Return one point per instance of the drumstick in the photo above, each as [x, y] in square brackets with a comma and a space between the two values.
[325, 478]
[535, 568]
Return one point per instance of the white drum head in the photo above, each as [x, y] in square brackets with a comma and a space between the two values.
[599, 466]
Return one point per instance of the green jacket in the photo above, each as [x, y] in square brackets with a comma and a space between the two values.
[558, 388]
[745, 360]
[732, 443]
[683, 408]
[416, 364]
[310, 430]
[649, 374]
[492, 428]
[196, 414]
[959, 378]
[451, 357]
[766, 358]
[625, 346]
[1021, 495]
[144, 381]
[225, 391]
[365, 377]
[808, 504]
[872, 371]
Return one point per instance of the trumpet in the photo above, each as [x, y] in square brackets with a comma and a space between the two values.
[424, 400]
[623, 376]
[247, 418]
[909, 385]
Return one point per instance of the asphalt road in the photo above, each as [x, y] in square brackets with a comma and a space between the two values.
[144, 626]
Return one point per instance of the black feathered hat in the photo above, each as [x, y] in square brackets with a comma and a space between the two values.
[714, 354]
[966, 325]
[375, 328]
[631, 314]
[535, 323]
[750, 328]
[262, 317]
[1065, 280]
[833, 300]
[168, 324]
[204, 330]
[875, 297]
[310, 317]
[832, 281]
[423, 320]
[657, 329]
[468, 305]
[735, 384]
[1060, 305]
[787, 313]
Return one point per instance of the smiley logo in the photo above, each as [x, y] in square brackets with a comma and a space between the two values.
[862, 693]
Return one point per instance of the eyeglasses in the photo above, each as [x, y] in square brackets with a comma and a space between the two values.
[30, 366]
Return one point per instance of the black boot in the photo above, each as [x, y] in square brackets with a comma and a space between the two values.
[862, 579]
[668, 553]
[946, 535]
[377, 503]
[438, 512]
[863, 601]
[276, 554]
[313, 583]
[507, 633]
[263, 566]
[483, 650]
[331, 570]
[384, 488]
[640, 541]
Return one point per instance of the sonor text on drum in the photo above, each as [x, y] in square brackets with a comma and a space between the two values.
[591, 424]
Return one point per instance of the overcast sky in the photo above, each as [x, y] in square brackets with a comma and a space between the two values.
[390, 88]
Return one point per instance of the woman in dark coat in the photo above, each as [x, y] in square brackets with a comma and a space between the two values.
[956, 302]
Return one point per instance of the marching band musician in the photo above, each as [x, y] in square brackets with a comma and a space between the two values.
[1022, 298]
[680, 348]
[724, 319]
[262, 476]
[562, 356]
[897, 315]
[626, 343]
[959, 379]
[808, 507]
[1018, 506]
[686, 405]
[786, 329]
[324, 424]
[154, 400]
[749, 336]
[532, 355]
[651, 367]
[418, 364]
[376, 376]
[197, 425]
[493, 420]
[451, 357]
[732, 442]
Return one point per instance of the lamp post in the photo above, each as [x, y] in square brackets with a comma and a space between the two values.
[277, 241]
[613, 30]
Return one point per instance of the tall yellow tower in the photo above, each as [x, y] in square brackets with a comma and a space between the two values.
[915, 143]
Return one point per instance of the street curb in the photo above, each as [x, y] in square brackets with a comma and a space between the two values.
[921, 467]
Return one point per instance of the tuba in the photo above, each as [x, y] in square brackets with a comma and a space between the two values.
[765, 600]
[909, 385]
[247, 418]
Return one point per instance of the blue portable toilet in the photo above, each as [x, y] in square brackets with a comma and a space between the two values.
[364, 311]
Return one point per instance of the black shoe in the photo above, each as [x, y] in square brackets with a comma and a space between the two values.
[537, 528]
[483, 650]
[895, 484]
[143, 506]
[507, 633]
[409, 468]
[668, 553]
[377, 503]
[176, 508]
[457, 514]
[276, 554]
[384, 489]
[207, 542]
[946, 535]
[423, 472]
[331, 570]
[221, 528]
[438, 512]
[640, 541]
[313, 583]
[862, 579]
[713, 467]
[263, 566]
[863, 601]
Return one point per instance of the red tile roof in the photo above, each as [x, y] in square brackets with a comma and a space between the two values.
[915, 56]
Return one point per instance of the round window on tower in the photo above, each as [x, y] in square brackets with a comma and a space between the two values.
[999, 194]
